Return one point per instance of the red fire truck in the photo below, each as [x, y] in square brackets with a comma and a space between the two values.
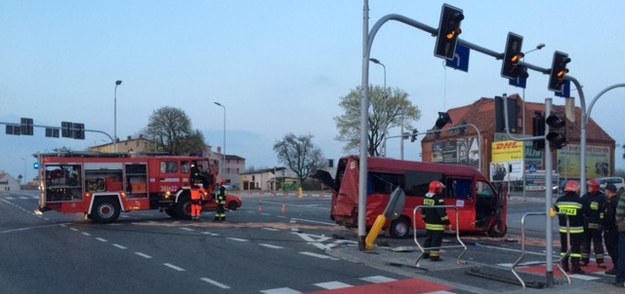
[103, 185]
[481, 206]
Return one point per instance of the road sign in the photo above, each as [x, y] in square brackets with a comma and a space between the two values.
[518, 82]
[566, 90]
[461, 59]
[532, 168]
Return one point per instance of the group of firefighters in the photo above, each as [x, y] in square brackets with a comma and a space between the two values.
[199, 182]
[586, 216]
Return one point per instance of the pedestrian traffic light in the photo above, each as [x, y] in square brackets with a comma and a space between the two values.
[443, 119]
[448, 31]
[510, 67]
[414, 135]
[558, 70]
[538, 130]
[557, 131]
[26, 126]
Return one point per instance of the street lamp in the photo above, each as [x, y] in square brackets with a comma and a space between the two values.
[223, 163]
[117, 83]
[376, 61]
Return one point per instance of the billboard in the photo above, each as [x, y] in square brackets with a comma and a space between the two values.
[506, 161]
[597, 161]
[464, 151]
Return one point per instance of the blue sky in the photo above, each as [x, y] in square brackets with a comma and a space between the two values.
[278, 66]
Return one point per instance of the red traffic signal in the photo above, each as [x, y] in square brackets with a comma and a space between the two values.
[448, 31]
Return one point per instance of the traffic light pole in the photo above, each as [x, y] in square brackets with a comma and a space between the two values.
[53, 127]
[548, 184]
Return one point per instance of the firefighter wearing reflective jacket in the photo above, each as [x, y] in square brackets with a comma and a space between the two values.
[570, 204]
[435, 219]
[594, 207]
[196, 200]
[220, 198]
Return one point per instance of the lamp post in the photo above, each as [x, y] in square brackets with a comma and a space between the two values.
[24, 177]
[538, 47]
[223, 164]
[376, 61]
[117, 83]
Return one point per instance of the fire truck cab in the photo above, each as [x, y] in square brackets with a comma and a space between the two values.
[103, 185]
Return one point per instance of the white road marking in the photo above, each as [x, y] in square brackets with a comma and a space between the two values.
[271, 246]
[280, 291]
[143, 255]
[74, 229]
[187, 229]
[210, 234]
[238, 239]
[120, 246]
[318, 255]
[271, 229]
[101, 239]
[333, 285]
[169, 265]
[218, 284]
[378, 279]
[86, 234]
[313, 221]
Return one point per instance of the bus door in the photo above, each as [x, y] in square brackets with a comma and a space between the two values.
[459, 193]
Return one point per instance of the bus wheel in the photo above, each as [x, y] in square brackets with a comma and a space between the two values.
[400, 228]
[105, 210]
[497, 230]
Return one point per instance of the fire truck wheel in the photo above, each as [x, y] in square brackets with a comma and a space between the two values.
[497, 230]
[400, 227]
[183, 207]
[105, 210]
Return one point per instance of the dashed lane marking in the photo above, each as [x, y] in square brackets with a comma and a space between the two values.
[378, 279]
[169, 265]
[322, 256]
[271, 246]
[101, 239]
[213, 282]
[86, 234]
[120, 246]
[143, 255]
[238, 239]
[280, 291]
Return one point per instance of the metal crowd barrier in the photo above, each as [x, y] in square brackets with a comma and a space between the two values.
[566, 254]
[414, 227]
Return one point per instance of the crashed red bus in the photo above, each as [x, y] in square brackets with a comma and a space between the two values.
[481, 207]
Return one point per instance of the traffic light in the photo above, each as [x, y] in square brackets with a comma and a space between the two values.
[558, 70]
[448, 31]
[67, 129]
[538, 129]
[510, 67]
[513, 113]
[414, 135]
[26, 126]
[557, 131]
[79, 131]
[443, 119]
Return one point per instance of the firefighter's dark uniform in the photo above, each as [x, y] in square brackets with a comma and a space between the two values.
[611, 233]
[220, 198]
[571, 205]
[435, 219]
[594, 207]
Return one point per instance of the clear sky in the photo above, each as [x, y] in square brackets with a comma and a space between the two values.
[278, 66]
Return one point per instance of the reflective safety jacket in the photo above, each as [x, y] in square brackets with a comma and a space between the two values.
[221, 196]
[436, 217]
[571, 205]
[594, 207]
[196, 194]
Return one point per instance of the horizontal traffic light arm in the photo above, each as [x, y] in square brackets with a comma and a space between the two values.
[57, 127]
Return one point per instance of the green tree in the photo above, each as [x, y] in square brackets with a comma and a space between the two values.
[386, 109]
[170, 128]
[299, 154]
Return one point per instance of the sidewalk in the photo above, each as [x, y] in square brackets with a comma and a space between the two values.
[401, 261]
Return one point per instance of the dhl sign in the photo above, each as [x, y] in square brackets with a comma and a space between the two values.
[504, 151]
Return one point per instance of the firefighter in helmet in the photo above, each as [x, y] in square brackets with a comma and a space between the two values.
[435, 219]
[220, 198]
[570, 204]
[196, 199]
[593, 209]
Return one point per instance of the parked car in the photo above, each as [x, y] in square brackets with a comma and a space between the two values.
[619, 182]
